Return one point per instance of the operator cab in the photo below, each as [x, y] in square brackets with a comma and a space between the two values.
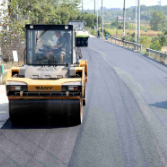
[50, 45]
[78, 25]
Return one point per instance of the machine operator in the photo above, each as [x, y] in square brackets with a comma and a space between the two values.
[59, 49]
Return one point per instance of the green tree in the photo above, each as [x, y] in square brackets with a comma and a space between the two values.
[155, 45]
[158, 20]
[145, 41]
[90, 19]
[21, 12]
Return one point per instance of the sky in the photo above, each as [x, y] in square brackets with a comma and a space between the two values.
[89, 4]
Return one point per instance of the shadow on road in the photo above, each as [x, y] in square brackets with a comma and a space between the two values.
[8, 126]
[160, 104]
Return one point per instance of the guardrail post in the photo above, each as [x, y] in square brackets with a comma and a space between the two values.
[140, 48]
[156, 56]
[148, 53]
[165, 58]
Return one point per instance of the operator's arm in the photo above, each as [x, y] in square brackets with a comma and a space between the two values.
[57, 46]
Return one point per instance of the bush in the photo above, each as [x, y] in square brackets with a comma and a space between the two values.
[114, 24]
[128, 25]
[129, 38]
[107, 32]
[156, 45]
[93, 32]
[145, 41]
[120, 27]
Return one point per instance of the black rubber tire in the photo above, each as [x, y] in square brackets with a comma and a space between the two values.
[78, 43]
[82, 42]
[86, 43]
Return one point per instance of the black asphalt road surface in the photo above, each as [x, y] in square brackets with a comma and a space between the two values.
[124, 124]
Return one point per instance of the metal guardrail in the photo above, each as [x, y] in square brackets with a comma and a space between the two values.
[155, 52]
[126, 44]
[159, 56]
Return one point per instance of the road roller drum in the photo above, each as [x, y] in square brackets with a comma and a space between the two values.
[52, 112]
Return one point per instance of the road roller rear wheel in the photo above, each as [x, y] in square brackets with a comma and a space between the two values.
[86, 43]
[82, 42]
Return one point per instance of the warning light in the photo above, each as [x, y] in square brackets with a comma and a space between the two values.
[16, 88]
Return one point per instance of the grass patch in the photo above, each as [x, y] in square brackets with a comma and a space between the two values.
[149, 33]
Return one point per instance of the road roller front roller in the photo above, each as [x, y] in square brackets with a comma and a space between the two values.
[50, 88]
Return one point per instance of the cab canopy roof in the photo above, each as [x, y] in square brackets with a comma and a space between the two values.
[49, 27]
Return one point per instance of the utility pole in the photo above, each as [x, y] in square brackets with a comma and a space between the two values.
[102, 17]
[136, 25]
[138, 21]
[94, 6]
[97, 17]
[117, 28]
[124, 17]
[82, 6]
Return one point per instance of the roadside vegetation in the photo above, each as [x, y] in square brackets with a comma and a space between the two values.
[153, 25]
[153, 32]
[153, 21]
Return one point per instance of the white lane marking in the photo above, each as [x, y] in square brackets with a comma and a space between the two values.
[4, 109]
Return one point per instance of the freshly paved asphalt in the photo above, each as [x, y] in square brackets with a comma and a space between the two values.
[124, 125]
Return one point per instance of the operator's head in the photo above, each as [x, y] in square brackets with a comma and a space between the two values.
[58, 34]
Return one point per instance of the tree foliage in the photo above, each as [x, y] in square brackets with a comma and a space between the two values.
[158, 20]
[111, 14]
[21, 12]
[155, 45]
[90, 19]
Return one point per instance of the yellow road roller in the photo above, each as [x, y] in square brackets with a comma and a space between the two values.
[82, 36]
[51, 85]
